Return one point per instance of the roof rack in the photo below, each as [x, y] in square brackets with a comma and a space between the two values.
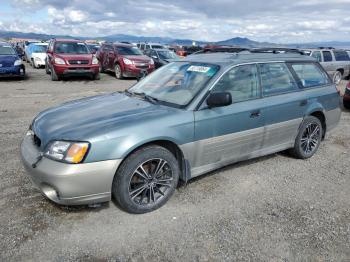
[277, 50]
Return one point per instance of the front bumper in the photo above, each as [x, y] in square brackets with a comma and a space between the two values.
[76, 70]
[69, 184]
[12, 71]
[132, 71]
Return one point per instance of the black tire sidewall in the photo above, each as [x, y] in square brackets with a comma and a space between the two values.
[120, 188]
[298, 152]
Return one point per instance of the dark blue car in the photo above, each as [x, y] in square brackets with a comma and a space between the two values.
[10, 62]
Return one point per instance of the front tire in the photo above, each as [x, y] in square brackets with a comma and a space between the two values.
[54, 76]
[309, 138]
[346, 104]
[47, 70]
[118, 72]
[146, 180]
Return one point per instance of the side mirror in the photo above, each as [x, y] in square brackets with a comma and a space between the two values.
[219, 99]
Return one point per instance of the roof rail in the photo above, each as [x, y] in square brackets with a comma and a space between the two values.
[277, 50]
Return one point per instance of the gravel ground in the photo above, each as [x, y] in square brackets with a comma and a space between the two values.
[273, 208]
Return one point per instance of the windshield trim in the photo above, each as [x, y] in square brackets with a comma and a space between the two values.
[204, 86]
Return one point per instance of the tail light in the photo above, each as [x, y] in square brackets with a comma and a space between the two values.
[348, 86]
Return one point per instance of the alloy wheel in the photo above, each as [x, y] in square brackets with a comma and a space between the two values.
[151, 182]
[310, 138]
[337, 77]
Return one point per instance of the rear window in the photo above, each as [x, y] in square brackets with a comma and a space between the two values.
[276, 79]
[71, 48]
[310, 75]
[341, 55]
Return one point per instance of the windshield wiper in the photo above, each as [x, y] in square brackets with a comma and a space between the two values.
[143, 96]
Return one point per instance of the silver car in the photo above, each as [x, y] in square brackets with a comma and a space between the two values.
[335, 61]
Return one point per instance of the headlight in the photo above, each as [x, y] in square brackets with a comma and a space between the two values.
[69, 152]
[59, 61]
[127, 61]
[94, 60]
[151, 62]
[18, 62]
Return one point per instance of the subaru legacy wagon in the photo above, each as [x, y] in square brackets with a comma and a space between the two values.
[184, 120]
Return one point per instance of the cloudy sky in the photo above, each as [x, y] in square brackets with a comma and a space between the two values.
[281, 21]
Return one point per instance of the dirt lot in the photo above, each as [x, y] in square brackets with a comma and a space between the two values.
[274, 208]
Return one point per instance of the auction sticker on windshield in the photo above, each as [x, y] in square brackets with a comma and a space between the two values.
[199, 69]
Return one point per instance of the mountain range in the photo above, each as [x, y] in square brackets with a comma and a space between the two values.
[236, 41]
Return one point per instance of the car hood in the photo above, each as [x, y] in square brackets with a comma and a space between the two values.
[138, 58]
[42, 56]
[7, 60]
[169, 60]
[84, 119]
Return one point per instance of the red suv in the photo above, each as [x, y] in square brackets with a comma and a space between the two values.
[124, 60]
[70, 57]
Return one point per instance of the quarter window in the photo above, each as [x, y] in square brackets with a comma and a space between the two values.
[341, 55]
[317, 55]
[241, 82]
[327, 56]
[310, 75]
[276, 79]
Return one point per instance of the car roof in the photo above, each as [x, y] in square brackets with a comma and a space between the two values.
[68, 40]
[160, 49]
[123, 45]
[227, 59]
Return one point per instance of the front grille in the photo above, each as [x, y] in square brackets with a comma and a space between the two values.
[78, 62]
[37, 140]
[141, 66]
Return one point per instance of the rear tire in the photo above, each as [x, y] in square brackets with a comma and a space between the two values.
[338, 76]
[309, 138]
[102, 70]
[118, 72]
[146, 180]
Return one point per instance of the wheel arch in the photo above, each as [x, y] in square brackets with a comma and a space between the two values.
[170, 145]
[320, 115]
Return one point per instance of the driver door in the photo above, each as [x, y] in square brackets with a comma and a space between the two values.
[231, 133]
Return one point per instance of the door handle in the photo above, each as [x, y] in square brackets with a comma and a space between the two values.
[255, 114]
[303, 103]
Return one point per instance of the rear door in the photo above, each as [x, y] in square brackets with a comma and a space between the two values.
[231, 133]
[328, 62]
[283, 107]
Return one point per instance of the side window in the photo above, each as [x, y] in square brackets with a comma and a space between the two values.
[317, 55]
[327, 56]
[341, 55]
[276, 79]
[147, 47]
[310, 74]
[242, 82]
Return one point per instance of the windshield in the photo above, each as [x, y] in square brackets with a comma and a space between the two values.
[39, 48]
[125, 50]
[167, 55]
[176, 83]
[71, 48]
[7, 50]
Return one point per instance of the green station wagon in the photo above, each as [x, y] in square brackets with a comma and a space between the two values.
[188, 118]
